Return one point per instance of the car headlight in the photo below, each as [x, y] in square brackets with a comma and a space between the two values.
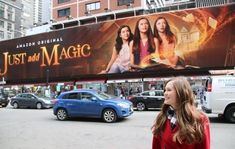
[123, 105]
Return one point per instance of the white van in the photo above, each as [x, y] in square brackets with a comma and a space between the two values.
[219, 97]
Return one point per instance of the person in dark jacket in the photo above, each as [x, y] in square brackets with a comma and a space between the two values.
[179, 125]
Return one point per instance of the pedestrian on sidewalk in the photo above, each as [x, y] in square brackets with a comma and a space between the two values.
[179, 125]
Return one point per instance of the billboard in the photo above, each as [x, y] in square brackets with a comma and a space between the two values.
[196, 38]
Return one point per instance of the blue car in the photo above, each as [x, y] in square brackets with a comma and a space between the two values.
[91, 103]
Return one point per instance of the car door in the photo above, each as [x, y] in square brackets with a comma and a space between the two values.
[73, 103]
[22, 100]
[31, 100]
[90, 105]
[150, 99]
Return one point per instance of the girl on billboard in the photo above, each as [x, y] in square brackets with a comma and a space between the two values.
[143, 44]
[180, 125]
[120, 60]
[166, 42]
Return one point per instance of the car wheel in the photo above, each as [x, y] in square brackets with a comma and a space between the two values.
[140, 106]
[15, 105]
[61, 114]
[230, 114]
[109, 116]
[39, 105]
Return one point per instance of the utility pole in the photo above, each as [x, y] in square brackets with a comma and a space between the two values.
[47, 76]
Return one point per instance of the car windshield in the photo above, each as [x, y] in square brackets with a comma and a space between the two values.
[105, 96]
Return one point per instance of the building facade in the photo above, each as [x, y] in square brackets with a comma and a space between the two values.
[19, 16]
[67, 9]
[66, 13]
[35, 13]
[10, 14]
[27, 18]
[42, 11]
[46, 11]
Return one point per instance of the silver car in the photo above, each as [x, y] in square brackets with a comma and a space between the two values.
[31, 100]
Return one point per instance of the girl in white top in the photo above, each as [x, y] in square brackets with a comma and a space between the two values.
[120, 60]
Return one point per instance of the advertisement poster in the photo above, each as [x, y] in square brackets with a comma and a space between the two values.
[196, 38]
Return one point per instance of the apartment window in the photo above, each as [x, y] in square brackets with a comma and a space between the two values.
[10, 16]
[10, 9]
[9, 26]
[62, 1]
[1, 34]
[9, 35]
[125, 2]
[1, 24]
[93, 6]
[2, 10]
[64, 12]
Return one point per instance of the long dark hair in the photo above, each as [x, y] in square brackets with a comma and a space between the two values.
[136, 48]
[119, 41]
[169, 34]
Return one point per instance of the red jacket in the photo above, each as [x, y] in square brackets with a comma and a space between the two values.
[166, 140]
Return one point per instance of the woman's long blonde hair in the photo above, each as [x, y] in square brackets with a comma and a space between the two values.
[189, 120]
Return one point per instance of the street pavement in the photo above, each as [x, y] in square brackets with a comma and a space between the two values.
[39, 129]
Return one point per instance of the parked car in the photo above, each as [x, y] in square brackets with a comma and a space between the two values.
[31, 100]
[91, 103]
[3, 100]
[147, 99]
